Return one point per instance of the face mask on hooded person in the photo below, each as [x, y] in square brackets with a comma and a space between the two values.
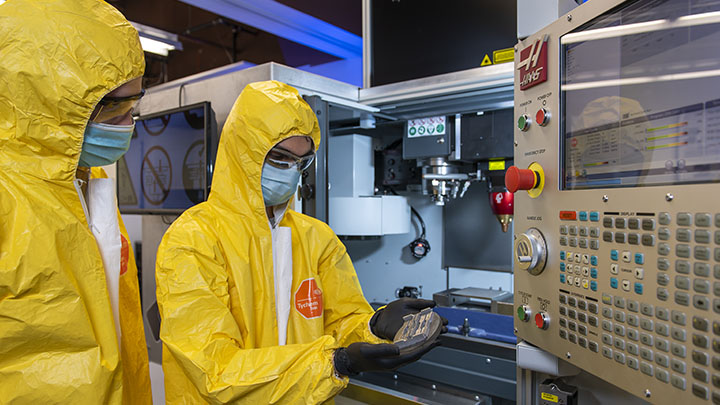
[105, 142]
[281, 174]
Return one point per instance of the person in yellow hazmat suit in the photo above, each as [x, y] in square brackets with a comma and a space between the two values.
[71, 328]
[259, 303]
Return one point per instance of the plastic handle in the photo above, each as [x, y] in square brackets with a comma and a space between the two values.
[520, 179]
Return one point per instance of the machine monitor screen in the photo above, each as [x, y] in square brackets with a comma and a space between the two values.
[639, 96]
[168, 167]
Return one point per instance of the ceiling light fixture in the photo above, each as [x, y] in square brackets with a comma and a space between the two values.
[157, 41]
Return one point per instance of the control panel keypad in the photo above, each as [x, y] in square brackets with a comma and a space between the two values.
[663, 342]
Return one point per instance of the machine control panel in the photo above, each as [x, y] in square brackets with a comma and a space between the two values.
[617, 226]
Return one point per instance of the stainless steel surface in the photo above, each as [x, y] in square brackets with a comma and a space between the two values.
[479, 89]
[541, 292]
[472, 239]
[367, 38]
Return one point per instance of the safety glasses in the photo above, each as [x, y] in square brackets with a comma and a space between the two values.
[284, 159]
[110, 108]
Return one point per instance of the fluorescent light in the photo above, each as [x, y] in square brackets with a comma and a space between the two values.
[156, 47]
[2, 1]
[157, 41]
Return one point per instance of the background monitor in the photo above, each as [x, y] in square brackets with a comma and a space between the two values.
[168, 167]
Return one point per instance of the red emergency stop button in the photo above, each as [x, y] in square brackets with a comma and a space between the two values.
[542, 320]
[542, 117]
[521, 179]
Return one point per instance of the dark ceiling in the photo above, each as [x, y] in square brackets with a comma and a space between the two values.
[207, 38]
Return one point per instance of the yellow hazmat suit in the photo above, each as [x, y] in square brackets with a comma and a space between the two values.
[215, 278]
[57, 331]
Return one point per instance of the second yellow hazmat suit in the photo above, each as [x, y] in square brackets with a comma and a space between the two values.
[215, 282]
[58, 341]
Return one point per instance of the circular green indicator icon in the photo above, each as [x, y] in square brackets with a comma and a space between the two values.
[412, 131]
[440, 128]
[421, 130]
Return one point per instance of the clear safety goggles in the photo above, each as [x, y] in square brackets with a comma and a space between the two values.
[110, 108]
[284, 159]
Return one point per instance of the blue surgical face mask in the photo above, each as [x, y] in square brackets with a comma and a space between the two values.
[104, 144]
[278, 185]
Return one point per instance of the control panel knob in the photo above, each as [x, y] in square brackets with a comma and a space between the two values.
[542, 320]
[523, 313]
[542, 117]
[521, 179]
[523, 122]
[531, 251]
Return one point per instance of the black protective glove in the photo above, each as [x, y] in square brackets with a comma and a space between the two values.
[361, 356]
[388, 321]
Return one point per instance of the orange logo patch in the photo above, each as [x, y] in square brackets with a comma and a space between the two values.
[124, 255]
[308, 299]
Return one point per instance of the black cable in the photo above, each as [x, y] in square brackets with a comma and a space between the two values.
[414, 211]
[422, 223]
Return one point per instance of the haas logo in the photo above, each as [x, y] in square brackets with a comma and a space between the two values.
[533, 64]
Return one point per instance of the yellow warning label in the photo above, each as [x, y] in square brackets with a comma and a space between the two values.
[549, 397]
[486, 61]
[503, 55]
[496, 165]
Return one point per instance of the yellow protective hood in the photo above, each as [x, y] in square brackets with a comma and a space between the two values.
[215, 278]
[264, 114]
[57, 335]
[57, 60]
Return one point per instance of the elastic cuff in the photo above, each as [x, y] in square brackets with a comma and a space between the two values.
[341, 361]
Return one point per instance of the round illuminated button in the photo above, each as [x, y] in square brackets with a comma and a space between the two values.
[542, 320]
[520, 179]
[523, 313]
[523, 122]
[542, 117]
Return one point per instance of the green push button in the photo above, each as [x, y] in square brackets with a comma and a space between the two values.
[523, 122]
[523, 313]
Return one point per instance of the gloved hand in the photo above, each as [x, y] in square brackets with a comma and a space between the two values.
[361, 356]
[388, 321]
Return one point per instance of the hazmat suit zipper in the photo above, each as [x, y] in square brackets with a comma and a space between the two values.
[78, 187]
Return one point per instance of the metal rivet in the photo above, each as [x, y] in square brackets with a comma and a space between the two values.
[568, 355]
[669, 197]
[394, 376]
[647, 393]
[605, 198]
[569, 17]
[477, 397]
[488, 361]
[516, 144]
[434, 387]
[515, 330]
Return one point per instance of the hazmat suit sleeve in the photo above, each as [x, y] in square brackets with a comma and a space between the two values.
[200, 332]
[347, 313]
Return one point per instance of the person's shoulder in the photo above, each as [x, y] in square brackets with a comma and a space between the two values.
[311, 223]
[195, 224]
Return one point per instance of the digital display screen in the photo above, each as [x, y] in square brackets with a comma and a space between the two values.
[639, 95]
[166, 169]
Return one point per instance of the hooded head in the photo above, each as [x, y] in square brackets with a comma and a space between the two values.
[265, 114]
[57, 60]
